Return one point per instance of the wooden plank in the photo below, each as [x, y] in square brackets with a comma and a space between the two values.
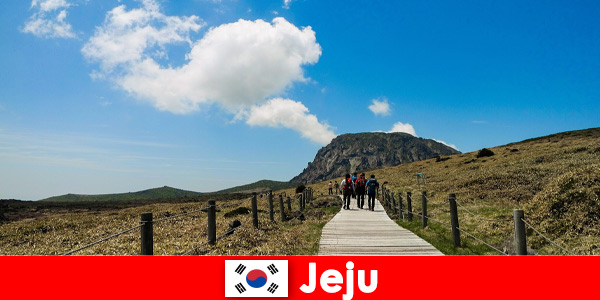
[363, 232]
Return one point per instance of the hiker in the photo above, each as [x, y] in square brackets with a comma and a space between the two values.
[360, 188]
[330, 186]
[372, 187]
[354, 176]
[347, 187]
[337, 188]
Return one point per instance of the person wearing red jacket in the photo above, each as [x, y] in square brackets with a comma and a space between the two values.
[360, 185]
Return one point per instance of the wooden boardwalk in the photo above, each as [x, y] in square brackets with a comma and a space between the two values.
[362, 232]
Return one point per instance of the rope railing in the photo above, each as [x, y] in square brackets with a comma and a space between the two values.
[481, 241]
[546, 238]
[142, 224]
[179, 215]
[192, 250]
[103, 240]
[517, 219]
[233, 204]
[462, 230]
[204, 209]
[229, 232]
[429, 218]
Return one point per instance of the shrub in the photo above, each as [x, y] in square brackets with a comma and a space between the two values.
[300, 189]
[485, 153]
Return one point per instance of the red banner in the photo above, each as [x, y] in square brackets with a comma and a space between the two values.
[343, 278]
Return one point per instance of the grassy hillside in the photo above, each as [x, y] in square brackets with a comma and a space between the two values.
[259, 186]
[156, 193]
[555, 179]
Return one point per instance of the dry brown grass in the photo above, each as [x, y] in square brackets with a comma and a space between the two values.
[56, 234]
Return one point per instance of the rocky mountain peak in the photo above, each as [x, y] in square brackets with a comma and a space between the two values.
[356, 152]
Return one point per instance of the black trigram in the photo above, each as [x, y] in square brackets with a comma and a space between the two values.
[240, 269]
[272, 268]
[240, 287]
[272, 288]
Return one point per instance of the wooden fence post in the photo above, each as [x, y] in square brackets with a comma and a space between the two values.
[520, 236]
[394, 204]
[212, 222]
[147, 239]
[289, 203]
[409, 205]
[254, 211]
[385, 198]
[454, 220]
[281, 209]
[300, 202]
[304, 198]
[271, 209]
[424, 208]
[400, 208]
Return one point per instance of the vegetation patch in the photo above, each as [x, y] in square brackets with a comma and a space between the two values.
[485, 153]
[569, 207]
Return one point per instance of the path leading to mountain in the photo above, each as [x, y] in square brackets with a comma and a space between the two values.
[363, 232]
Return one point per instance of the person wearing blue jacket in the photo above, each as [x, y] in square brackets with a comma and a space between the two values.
[372, 187]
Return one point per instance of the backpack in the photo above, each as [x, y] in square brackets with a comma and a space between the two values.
[360, 182]
[373, 184]
[348, 185]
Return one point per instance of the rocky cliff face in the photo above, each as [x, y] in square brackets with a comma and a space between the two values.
[358, 152]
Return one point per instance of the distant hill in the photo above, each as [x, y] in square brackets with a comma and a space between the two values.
[156, 193]
[259, 186]
[349, 153]
[172, 193]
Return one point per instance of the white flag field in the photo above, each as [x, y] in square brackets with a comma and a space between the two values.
[256, 278]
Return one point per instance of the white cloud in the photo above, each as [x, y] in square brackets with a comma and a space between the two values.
[401, 127]
[290, 114]
[49, 5]
[128, 37]
[235, 65]
[449, 145]
[286, 4]
[49, 19]
[380, 107]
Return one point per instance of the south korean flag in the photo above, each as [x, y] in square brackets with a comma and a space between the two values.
[256, 278]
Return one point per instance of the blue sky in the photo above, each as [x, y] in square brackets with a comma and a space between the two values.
[117, 96]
